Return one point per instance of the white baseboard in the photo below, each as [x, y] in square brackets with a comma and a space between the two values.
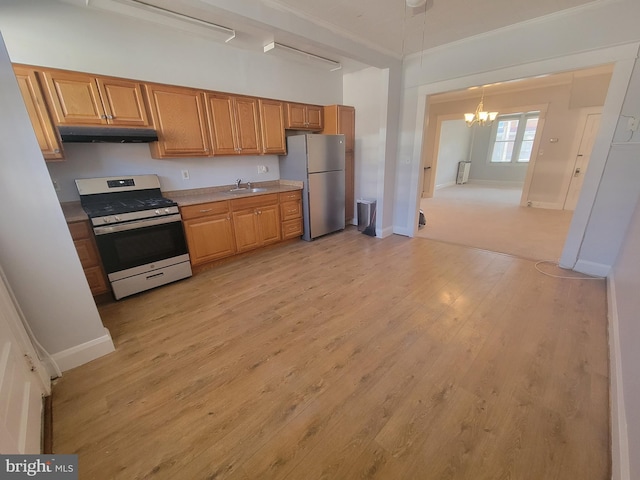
[385, 232]
[547, 205]
[496, 183]
[620, 469]
[443, 185]
[405, 232]
[84, 353]
[592, 268]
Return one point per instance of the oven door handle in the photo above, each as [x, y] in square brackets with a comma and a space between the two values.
[135, 224]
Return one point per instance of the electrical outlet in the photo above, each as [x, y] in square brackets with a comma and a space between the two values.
[185, 174]
[56, 185]
[263, 169]
[632, 124]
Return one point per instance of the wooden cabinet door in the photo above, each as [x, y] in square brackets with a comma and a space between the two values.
[246, 229]
[209, 238]
[75, 98]
[247, 125]
[272, 127]
[235, 124]
[269, 224]
[296, 116]
[349, 186]
[46, 133]
[179, 116]
[223, 131]
[123, 102]
[347, 126]
[314, 117]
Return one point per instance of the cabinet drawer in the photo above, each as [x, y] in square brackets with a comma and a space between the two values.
[289, 196]
[291, 210]
[255, 201]
[204, 209]
[292, 228]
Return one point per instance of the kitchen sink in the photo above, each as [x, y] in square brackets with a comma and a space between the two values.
[247, 190]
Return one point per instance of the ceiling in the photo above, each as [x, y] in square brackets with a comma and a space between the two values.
[369, 32]
[391, 26]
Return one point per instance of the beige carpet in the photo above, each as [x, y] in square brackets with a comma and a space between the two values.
[490, 218]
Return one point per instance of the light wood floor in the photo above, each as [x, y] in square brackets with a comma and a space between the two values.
[349, 357]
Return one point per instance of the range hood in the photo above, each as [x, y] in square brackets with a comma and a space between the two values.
[107, 135]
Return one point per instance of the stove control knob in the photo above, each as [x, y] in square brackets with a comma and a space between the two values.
[167, 210]
[116, 218]
[158, 212]
[105, 220]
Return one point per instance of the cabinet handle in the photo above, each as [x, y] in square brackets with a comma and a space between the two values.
[110, 117]
[104, 117]
[292, 211]
[207, 210]
[56, 151]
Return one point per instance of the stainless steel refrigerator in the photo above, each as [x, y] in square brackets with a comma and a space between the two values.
[317, 161]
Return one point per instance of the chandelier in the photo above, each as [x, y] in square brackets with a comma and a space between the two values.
[481, 117]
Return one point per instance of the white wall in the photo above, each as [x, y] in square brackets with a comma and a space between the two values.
[617, 192]
[55, 34]
[455, 141]
[36, 250]
[371, 92]
[625, 360]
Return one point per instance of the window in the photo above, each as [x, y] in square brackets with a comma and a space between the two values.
[513, 137]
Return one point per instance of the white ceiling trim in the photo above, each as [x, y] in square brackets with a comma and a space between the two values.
[569, 12]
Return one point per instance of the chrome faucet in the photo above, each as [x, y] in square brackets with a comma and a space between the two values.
[249, 185]
[238, 182]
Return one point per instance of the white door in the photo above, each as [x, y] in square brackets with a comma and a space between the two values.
[23, 383]
[589, 132]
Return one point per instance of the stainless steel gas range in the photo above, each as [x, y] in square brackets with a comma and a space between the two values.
[138, 232]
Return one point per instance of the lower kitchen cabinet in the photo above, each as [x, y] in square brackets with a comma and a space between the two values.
[256, 221]
[89, 257]
[291, 214]
[209, 231]
[216, 230]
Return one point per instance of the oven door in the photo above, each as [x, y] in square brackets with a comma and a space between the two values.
[141, 242]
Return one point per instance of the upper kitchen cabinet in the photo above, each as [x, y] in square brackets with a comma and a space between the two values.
[304, 117]
[342, 119]
[235, 124]
[82, 99]
[46, 133]
[272, 123]
[179, 116]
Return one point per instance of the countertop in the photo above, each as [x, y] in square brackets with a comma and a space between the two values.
[73, 211]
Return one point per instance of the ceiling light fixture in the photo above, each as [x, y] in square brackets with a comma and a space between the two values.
[228, 33]
[481, 117]
[301, 55]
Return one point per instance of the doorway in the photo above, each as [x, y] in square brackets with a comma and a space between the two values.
[568, 104]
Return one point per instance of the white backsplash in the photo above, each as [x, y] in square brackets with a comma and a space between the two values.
[87, 160]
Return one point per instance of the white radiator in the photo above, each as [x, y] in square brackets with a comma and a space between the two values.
[463, 172]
